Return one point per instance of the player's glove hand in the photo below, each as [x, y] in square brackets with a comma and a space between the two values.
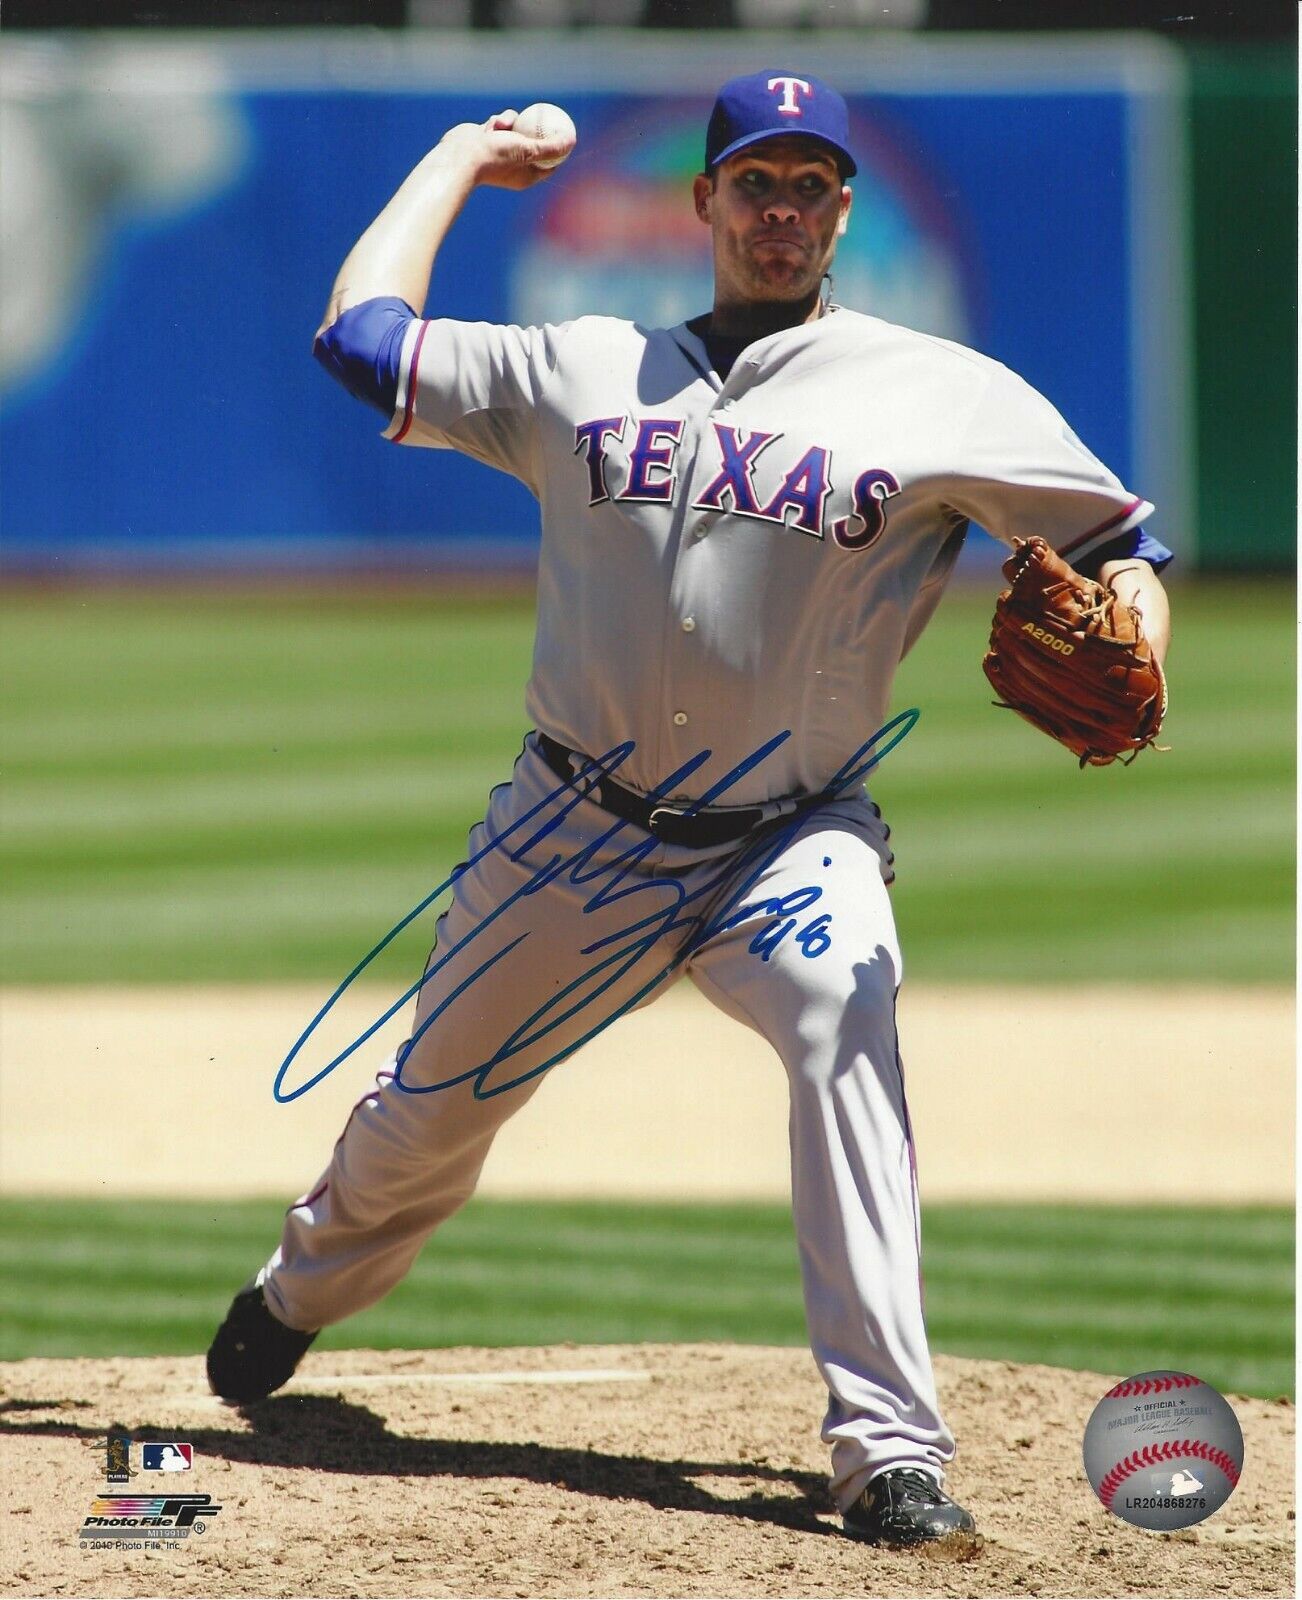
[1070, 658]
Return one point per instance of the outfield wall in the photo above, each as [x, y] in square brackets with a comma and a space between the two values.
[1243, 119]
[178, 208]
[1114, 216]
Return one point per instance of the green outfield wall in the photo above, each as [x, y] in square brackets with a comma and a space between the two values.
[1243, 153]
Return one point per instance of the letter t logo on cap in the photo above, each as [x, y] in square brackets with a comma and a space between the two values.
[790, 106]
[775, 105]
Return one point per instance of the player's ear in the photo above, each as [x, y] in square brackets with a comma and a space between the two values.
[843, 221]
[702, 190]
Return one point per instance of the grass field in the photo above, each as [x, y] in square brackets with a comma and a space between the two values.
[213, 786]
[254, 787]
[1110, 1290]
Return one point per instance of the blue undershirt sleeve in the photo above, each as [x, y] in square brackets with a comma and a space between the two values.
[362, 349]
[1138, 542]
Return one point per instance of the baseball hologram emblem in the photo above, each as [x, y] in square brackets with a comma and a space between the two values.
[1163, 1450]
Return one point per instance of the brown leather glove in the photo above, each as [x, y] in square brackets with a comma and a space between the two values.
[1070, 658]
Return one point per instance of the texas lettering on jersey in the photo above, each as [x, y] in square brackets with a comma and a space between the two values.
[798, 501]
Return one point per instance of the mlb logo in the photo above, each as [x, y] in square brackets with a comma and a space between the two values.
[167, 1457]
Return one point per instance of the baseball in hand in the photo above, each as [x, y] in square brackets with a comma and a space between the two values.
[544, 121]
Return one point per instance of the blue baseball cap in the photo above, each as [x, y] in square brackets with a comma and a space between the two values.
[766, 105]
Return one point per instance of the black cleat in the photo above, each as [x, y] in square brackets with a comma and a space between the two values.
[904, 1507]
[252, 1353]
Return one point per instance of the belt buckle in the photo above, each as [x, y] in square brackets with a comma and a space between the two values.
[670, 812]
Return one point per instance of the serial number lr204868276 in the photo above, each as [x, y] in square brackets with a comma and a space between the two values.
[1166, 1502]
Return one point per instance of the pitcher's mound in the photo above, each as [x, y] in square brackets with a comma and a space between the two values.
[585, 1470]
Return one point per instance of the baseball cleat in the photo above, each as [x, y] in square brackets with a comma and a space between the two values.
[903, 1507]
[252, 1353]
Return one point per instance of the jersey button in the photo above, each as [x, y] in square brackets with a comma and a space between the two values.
[689, 624]
[680, 717]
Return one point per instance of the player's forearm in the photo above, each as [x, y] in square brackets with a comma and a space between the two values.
[395, 256]
[1136, 584]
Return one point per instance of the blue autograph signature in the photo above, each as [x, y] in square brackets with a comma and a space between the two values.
[645, 931]
[813, 938]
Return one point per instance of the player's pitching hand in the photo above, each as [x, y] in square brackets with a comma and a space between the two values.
[499, 157]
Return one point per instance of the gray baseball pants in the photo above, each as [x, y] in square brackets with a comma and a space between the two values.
[406, 1161]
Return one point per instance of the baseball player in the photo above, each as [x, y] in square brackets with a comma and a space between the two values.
[747, 519]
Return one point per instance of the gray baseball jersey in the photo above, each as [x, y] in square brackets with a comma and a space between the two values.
[721, 562]
[724, 560]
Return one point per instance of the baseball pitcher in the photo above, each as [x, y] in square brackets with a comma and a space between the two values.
[747, 520]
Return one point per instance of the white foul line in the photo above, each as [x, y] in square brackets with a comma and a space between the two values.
[578, 1375]
[308, 1383]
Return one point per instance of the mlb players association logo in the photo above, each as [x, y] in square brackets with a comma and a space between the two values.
[117, 1458]
[173, 1457]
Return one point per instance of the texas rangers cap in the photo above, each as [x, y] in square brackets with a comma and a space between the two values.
[765, 105]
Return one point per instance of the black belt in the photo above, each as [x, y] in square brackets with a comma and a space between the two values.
[668, 823]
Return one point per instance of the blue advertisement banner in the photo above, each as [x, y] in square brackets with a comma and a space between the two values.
[175, 240]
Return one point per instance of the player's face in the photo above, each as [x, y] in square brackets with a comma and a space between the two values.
[776, 212]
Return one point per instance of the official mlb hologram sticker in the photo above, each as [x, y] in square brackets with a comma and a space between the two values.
[1163, 1450]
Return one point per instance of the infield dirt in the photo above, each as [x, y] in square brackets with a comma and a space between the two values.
[654, 1470]
[1102, 1094]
